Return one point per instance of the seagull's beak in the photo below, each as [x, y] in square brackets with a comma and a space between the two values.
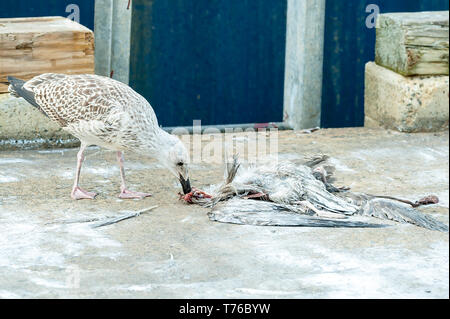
[186, 184]
[184, 179]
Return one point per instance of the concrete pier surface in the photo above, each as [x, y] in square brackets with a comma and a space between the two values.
[175, 251]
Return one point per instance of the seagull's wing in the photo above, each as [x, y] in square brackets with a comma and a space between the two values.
[68, 99]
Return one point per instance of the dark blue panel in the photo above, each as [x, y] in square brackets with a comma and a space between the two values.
[349, 45]
[34, 8]
[214, 60]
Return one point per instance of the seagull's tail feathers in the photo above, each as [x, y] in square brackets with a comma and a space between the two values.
[16, 89]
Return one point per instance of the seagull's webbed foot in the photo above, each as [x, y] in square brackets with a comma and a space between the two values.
[79, 193]
[127, 194]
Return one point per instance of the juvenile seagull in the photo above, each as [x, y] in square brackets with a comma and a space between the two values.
[104, 112]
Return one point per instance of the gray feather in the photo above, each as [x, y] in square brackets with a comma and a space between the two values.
[261, 213]
[402, 213]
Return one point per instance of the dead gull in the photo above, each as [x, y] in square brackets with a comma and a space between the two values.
[104, 112]
[287, 194]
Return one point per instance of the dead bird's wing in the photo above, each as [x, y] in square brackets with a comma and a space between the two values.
[262, 213]
[317, 194]
[399, 212]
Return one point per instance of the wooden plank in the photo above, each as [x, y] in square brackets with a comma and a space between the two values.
[32, 46]
[40, 24]
[413, 43]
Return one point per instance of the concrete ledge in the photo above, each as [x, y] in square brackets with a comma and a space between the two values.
[406, 104]
[23, 126]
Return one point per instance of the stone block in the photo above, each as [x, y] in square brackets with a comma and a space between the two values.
[406, 104]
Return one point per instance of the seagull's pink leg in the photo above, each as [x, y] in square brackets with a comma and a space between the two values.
[124, 192]
[77, 191]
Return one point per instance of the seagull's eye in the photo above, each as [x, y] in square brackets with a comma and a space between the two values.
[180, 164]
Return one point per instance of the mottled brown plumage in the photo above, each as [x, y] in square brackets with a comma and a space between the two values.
[94, 108]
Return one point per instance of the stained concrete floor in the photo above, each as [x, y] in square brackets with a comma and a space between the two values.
[174, 251]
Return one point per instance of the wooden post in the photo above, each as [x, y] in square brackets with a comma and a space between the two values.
[113, 30]
[304, 62]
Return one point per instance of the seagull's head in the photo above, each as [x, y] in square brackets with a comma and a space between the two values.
[175, 157]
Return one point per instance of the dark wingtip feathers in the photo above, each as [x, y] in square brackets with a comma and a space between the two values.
[16, 89]
[14, 85]
[15, 82]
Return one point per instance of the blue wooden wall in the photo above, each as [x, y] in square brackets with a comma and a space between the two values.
[223, 61]
[40, 8]
[349, 45]
[214, 60]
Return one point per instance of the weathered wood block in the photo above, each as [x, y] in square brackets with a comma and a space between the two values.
[413, 43]
[32, 46]
[406, 104]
